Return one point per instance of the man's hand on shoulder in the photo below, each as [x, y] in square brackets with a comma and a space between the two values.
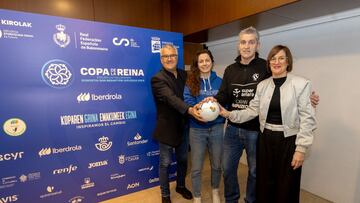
[314, 98]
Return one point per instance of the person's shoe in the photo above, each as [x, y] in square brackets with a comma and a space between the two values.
[184, 192]
[197, 199]
[215, 196]
[165, 200]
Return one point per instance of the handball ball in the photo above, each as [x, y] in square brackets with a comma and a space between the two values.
[209, 111]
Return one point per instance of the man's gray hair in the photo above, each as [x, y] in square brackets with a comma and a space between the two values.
[250, 30]
[168, 46]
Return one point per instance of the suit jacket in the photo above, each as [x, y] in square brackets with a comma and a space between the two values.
[170, 106]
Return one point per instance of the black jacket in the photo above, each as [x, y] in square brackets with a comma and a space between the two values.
[238, 87]
[170, 106]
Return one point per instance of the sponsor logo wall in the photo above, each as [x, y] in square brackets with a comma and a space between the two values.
[76, 108]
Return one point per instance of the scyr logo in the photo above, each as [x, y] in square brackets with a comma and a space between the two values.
[11, 156]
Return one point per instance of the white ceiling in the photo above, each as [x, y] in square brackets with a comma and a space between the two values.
[298, 11]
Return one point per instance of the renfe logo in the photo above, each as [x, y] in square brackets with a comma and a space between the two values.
[67, 170]
[12, 198]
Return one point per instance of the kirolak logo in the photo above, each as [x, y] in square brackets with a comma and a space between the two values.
[84, 97]
[16, 23]
[11, 198]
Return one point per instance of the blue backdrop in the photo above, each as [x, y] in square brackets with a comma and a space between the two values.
[76, 108]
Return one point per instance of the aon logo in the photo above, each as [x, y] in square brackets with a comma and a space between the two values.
[133, 185]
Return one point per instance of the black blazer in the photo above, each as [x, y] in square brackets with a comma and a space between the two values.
[171, 110]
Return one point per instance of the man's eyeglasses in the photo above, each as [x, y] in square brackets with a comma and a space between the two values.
[172, 56]
[281, 59]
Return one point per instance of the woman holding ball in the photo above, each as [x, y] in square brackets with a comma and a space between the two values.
[202, 82]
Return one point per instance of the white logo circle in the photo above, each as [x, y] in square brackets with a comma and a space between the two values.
[57, 73]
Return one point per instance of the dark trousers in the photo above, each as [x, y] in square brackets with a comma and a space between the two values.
[181, 154]
[277, 181]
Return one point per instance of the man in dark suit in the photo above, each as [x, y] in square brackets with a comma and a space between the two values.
[167, 88]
